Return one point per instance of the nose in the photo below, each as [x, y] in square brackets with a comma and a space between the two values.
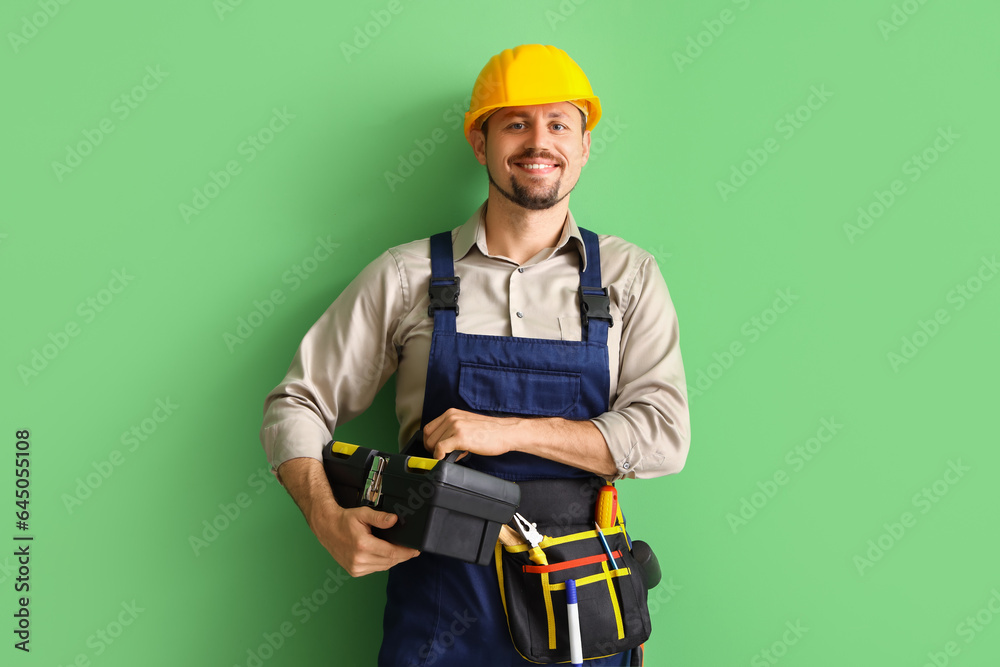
[538, 137]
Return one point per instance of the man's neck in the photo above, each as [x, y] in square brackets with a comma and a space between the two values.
[519, 233]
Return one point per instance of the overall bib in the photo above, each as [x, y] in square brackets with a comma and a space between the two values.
[442, 611]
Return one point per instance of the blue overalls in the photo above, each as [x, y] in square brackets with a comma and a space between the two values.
[439, 610]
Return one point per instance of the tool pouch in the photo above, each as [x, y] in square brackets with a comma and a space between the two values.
[612, 602]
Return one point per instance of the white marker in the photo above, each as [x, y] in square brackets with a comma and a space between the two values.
[573, 612]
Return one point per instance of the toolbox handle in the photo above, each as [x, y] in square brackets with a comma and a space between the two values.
[415, 447]
[453, 456]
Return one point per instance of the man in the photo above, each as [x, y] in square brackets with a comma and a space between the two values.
[551, 355]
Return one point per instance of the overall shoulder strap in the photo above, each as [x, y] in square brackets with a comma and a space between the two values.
[444, 285]
[595, 306]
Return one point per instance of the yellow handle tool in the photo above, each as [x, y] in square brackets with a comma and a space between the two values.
[533, 537]
[606, 509]
[538, 556]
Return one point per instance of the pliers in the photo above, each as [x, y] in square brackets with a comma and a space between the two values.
[533, 537]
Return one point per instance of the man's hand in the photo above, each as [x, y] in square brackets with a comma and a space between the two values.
[345, 533]
[458, 430]
[575, 443]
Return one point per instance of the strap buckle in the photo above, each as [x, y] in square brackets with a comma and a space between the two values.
[444, 294]
[595, 303]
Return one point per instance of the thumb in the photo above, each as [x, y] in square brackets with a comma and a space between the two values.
[380, 519]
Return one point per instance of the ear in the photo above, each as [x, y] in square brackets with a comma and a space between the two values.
[478, 144]
[586, 146]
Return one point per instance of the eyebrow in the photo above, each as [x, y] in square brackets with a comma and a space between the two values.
[551, 114]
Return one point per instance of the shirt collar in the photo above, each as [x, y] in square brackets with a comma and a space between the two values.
[473, 233]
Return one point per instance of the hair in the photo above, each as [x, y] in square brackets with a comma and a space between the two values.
[583, 121]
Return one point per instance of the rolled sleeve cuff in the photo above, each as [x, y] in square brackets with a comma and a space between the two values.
[294, 439]
[622, 443]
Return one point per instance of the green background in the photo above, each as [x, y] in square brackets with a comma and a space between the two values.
[673, 129]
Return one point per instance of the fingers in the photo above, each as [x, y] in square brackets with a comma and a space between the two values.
[433, 433]
[446, 433]
[385, 555]
[468, 431]
[374, 560]
[361, 552]
[384, 549]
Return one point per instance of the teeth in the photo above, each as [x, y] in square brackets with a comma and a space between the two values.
[536, 166]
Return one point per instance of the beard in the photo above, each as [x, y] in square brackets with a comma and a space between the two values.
[535, 199]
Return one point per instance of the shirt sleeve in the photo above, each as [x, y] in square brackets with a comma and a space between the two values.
[342, 362]
[648, 425]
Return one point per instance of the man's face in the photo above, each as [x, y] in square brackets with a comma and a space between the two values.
[534, 154]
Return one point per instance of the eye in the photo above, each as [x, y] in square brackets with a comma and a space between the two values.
[559, 127]
[516, 126]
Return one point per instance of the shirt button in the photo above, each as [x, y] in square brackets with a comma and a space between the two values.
[520, 269]
[520, 314]
[626, 465]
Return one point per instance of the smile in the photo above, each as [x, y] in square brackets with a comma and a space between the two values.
[536, 168]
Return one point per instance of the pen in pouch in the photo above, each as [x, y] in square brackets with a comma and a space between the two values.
[607, 549]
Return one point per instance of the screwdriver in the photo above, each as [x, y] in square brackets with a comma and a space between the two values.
[606, 508]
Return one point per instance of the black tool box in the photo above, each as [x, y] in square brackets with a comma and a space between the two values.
[443, 507]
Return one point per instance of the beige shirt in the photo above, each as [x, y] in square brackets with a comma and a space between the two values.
[379, 325]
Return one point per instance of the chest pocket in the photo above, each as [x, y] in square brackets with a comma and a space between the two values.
[518, 391]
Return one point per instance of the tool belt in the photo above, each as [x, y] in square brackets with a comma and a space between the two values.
[612, 600]
[452, 510]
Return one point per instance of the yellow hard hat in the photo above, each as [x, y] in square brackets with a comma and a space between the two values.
[530, 74]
